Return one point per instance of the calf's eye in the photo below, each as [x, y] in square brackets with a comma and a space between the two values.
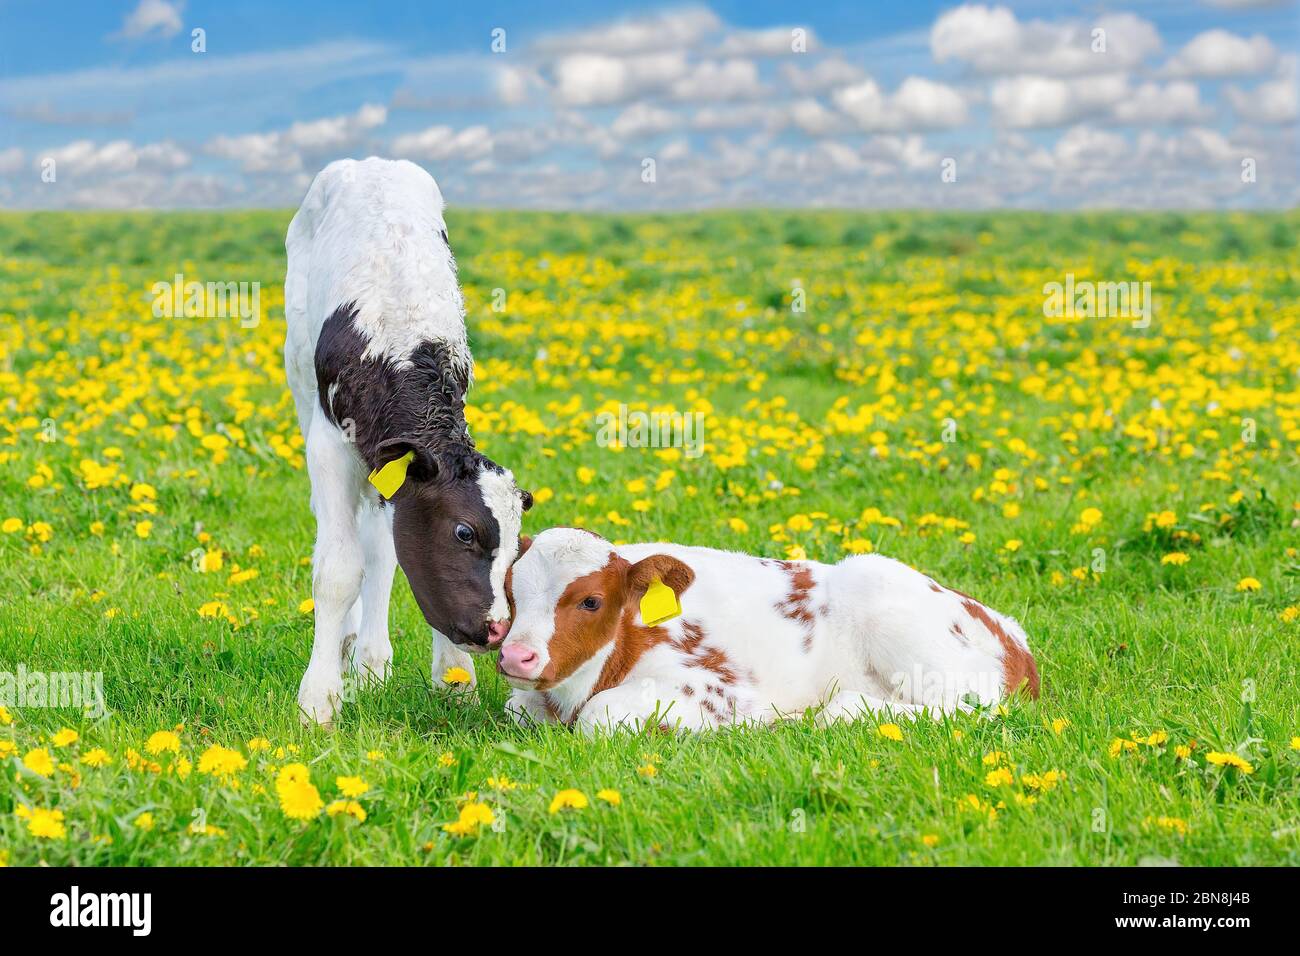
[590, 604]
[464, 534]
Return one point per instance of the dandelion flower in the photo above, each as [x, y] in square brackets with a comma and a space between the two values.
[96, 758]
[47, 824]
[221, 761]
[568, 800]
[456, 675]
[1248, 584]
[999, 778]
[351, 786]
[65, 737]
[38, 762]
[1175, 558]
[473, 815]
[163, 740]
[299, 799]
[1221, 759]
[612, 797]
[307, 606]
[890, 731]
[144, 822]
[348, 807]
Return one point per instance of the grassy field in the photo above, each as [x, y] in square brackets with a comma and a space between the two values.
[1130, 494]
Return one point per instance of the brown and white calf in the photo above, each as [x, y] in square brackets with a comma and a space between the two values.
[756, 638]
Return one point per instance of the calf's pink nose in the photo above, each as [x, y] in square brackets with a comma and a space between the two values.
[497, 631]
[518, 661]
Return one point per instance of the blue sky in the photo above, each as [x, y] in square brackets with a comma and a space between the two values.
[1016, 98]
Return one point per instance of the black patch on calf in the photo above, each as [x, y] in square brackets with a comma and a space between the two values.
[421, 401]
[390, 408]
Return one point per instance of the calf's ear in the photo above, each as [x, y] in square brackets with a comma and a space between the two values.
[666, 568]
[526, 497]
[424, 465]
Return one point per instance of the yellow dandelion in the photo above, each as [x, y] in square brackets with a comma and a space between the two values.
[1221, 759]
[351, 786]
[568, 800]
[47, 824]
[38, 761]
[348, 807]
[96, 758]
[221, 761]
[890, 731]
[163, 740]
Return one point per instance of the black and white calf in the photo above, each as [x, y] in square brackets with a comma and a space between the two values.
[377, 360]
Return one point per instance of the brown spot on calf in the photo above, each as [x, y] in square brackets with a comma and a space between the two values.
[1018, 667]
[797, 605]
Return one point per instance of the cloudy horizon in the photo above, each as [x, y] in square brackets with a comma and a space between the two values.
[949, 106]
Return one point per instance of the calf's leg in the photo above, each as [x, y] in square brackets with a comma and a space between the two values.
[372, 654]
[447, 656]
[337, 569]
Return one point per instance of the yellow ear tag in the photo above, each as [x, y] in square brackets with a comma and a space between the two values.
[659, 604]
[392, 475]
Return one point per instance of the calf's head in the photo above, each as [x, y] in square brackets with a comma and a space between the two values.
[570, 596]
[456, 522]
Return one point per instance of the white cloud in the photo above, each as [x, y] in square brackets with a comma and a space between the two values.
[643, 120]
[1153, 104]
[286, 150]
[917, 104]
[515, 84]
[739, 116]
[823, 75]
[442, 144]
[711, 80]
[1089, 152]
[991, 40]
[153, 17]
[1026, 102]
[84, 158]
[670, 30]
[815, 119]
[908, 152]
[1218, 53]
[1272, 102]
[596, 79]
[773, 41]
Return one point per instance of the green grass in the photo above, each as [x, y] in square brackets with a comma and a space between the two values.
[676, 310]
